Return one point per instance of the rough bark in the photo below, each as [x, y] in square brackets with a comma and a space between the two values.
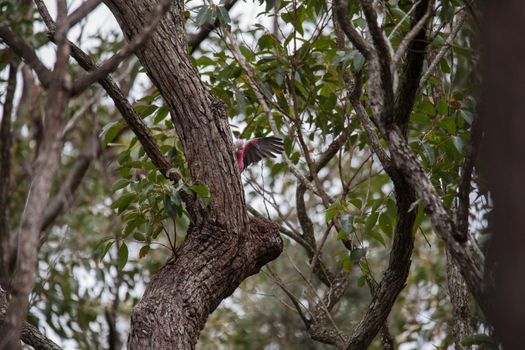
[459, 298]
[222, 246]
[30, 334]
[5, 166]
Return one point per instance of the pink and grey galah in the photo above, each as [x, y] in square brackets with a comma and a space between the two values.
[251, 151]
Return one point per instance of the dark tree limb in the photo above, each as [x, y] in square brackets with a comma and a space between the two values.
[5, 171]
[112, 63]
[411, 74]
[26, 52]
[30, 334]
[341, 11]
[82, 11]
[415, 175]
[380, 82]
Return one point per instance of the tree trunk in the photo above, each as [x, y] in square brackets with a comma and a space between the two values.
[222, 246]
[502, 112]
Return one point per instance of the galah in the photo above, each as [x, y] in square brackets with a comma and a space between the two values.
[251, 151]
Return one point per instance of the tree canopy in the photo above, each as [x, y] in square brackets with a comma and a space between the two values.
[123, 215]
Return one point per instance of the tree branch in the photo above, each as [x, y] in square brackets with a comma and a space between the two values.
[415, 175]
[380, 77]
[26, 52]
[82, 11]
[5, 172]
[442, 52]
[459, 298]
[112, 64]
[408, 86]
[415, 30]
[30, 334]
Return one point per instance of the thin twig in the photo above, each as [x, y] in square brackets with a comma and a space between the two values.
[112, 64]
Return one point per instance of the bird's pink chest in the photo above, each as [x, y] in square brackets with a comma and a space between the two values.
[240, 158]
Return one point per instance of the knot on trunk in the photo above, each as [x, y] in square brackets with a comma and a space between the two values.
[263, 243]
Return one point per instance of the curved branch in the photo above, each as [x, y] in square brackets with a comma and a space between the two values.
[26, 52]
[341, 11]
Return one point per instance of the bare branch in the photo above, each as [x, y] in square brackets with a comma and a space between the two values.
[341, 11]
[290, 295]
[26, 52]
[70, 184]
[82, 11]
[380, 81]
[466, 178]
[414, 31]
[112, 64]
[398, 25]
[442, 52]
[409, 80]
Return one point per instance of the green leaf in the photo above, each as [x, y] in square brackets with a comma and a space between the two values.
[376, 235]
[202, 15]
[202, 191]
[458, 142]
[371, 221]
[148, 111]
[139, 236]
[224, 17]
[162, 112]
[427, 107]
[419, 218]
[110, 131]
[124, 201]
[333, 211]
[106, 249]
[122, 256]
[356, 254]
[361, 281]
[121, 183]
[479, 339]
[144, 251]
[341, 235]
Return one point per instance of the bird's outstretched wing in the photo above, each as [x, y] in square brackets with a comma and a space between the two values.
[262, 147]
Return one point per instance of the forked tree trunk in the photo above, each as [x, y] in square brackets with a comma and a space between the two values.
[223, 246]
